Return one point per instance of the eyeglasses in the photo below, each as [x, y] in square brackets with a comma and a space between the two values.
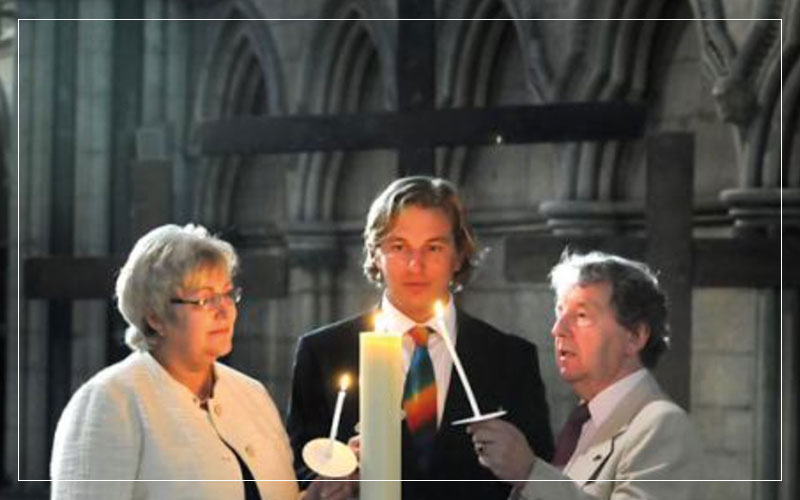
[212, 301]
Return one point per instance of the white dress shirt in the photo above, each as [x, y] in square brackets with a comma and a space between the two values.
[442, 362]
[603, 404]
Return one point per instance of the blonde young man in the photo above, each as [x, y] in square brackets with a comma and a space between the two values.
[418, 247]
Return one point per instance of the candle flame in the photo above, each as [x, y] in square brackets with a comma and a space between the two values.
[380, 322]
[439, 309]
[344, 382]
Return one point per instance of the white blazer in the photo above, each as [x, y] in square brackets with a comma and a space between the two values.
[134, 421]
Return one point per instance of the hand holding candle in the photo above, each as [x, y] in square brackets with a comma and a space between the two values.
[328, 457]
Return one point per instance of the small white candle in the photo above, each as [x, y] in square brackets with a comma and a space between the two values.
[439, 309]
[337, 412]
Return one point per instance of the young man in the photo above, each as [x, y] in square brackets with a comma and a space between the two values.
[626, 436]
[419, 247]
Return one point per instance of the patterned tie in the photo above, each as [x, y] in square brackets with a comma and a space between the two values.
[568, 439]
[419, 396]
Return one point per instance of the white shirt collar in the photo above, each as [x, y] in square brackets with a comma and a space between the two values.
[396, 321]
[601, 406]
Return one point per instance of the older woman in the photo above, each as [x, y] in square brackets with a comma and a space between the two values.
[170, 411]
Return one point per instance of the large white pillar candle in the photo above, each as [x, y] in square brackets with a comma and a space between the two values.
[380, 399]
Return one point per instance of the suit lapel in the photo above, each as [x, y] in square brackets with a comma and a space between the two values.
[588, 463]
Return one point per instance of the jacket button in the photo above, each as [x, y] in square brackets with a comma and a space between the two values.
[218, 410]
[597, 457]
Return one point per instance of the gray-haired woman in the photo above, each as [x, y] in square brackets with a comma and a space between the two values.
[170, 411]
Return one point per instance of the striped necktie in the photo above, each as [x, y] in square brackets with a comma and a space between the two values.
[419, 396]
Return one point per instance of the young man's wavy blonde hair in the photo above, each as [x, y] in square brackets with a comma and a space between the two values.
[424, 192]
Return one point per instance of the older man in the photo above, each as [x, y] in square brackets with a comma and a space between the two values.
[626, 436]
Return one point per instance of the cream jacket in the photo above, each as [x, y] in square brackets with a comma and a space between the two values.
[134, 421]
[643, 451]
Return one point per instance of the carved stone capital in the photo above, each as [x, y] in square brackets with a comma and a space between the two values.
[758, 211]
[735, 99]
[591, 217]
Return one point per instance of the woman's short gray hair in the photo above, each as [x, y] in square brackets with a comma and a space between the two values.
[157, 267]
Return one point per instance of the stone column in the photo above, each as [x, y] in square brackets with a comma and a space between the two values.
[35, 106]
[315, 255]
[92, 185]
[151, 169]
[790, 346]
[767, 397]
[9, 152]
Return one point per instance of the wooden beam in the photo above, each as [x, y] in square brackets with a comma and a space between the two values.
[416, 74]
[744, 262]
[718, 262]
[576, 121]
[63, 277]
[668, 216]
[261, 276]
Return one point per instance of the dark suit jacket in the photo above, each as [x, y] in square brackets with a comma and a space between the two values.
[504, 373]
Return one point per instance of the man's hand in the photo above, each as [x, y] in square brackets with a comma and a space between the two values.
[354, 443]
[325, 489]
[503, 449]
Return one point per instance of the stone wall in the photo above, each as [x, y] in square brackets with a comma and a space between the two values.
[142, 90]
